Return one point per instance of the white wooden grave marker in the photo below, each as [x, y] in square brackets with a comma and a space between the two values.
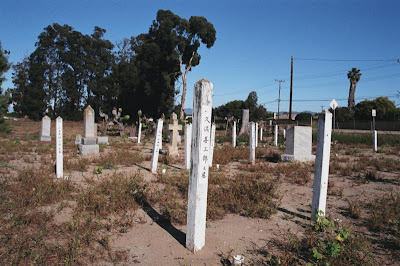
[322, 164]
[157, 145]
[252, 139]
[59, 147]
[188, 144]
[139, 133]
[198, 182]
[276, 136]
[234, 134]
[256, 134]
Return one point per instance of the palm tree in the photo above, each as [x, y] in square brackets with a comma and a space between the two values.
[354, 76]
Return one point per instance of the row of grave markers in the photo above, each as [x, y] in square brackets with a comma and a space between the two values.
[199, 145]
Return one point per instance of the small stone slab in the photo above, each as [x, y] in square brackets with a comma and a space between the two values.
[102, 140]
[88, 149]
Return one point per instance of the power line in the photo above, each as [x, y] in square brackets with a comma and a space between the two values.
[348, 60]
[279, 96]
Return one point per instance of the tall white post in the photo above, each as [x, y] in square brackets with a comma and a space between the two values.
[252, 140]
[256, 134]
[139, 133]
[375, 138]
[59, 147]
[188, 143]
[157, 145]
[261, 133]
[276, 136]
[322, 163]
[212, 144]
[198, 182]
[284, 133]
[234, 134]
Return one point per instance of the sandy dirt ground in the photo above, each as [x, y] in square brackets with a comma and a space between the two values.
[153, 242]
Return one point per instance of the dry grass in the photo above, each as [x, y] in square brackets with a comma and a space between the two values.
[253, 195]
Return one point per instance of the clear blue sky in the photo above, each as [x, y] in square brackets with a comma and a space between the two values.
[255, 40]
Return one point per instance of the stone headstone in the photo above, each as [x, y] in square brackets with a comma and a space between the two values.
[234, 134]
[198, 183]
[45, 129]
[59, 147]
[261, 133]
[157, 145]
[321, 164]
[89, 143]
[175, 128]
[298, 144]
[78, 139]
[252, 142]
[188, 143]
[244, 130]
[102, 140]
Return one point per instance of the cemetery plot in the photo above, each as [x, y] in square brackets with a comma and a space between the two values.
[108, 208]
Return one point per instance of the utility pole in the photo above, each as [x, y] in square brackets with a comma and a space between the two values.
[279, 97]
[291, 89]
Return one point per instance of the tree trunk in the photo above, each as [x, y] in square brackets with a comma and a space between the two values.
[184, 84]
[244, 130]
[352, 91]
[182, 113]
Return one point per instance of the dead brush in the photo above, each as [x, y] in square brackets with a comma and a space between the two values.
[227, 154]
[38, 187]
[253, 195]
[385, 218]
[113, 194]
[76, 164]
[354, 209]
[295, 172]
[120, 157]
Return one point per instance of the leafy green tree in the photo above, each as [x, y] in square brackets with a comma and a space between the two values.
[354, 76]
[232, 108]
[184, 37]
[303, 117]
[385, 109]
[4, 64]
[4, 97]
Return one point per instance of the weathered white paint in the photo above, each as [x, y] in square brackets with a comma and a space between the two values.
[188, 144]
[198, 182]
[234, 134]
[157, 145]
[212, 143]
[139, 133]
[256, 134]
[322, 163]
[375, 138]
[45, 129]
[276, 136]
[252, 140]
[261, 133]
[59, 147]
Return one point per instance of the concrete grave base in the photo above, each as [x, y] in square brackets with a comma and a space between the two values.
[45, 138]
[88, 149]
[89, 141]
[102, 140]
[299, 158]
[173, 151]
